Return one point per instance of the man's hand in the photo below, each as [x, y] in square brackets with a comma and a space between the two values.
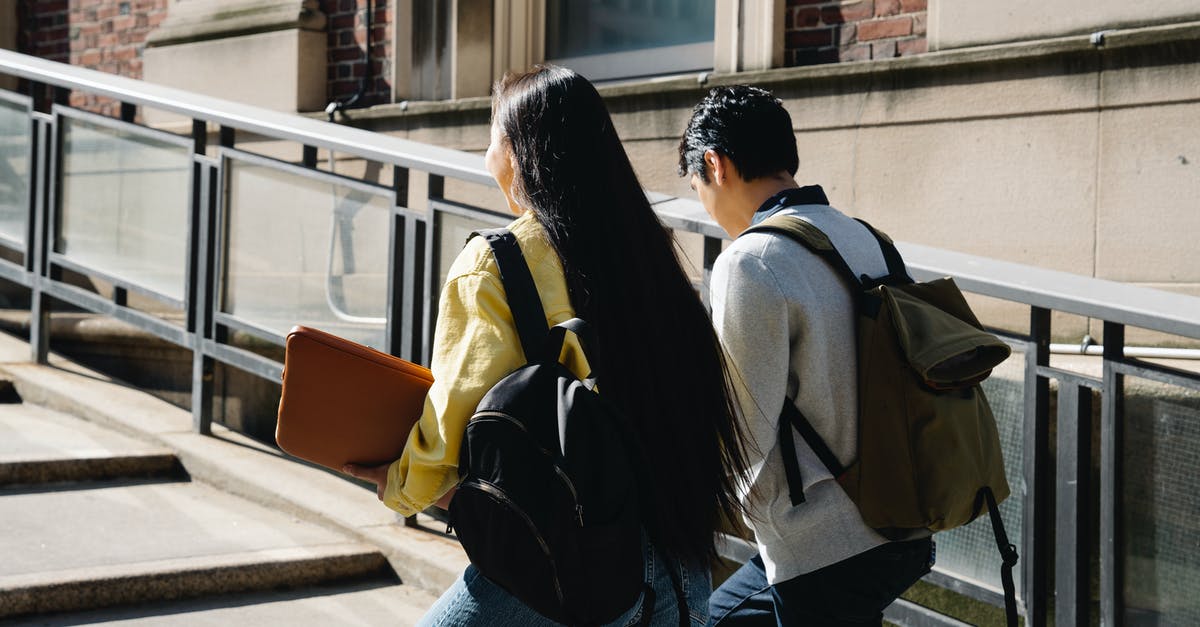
[375, 474]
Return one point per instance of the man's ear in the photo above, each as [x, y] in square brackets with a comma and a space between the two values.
[717, 165]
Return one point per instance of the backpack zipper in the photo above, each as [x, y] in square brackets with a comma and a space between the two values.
[561, 473]
[499, 495]
[503, 417]
[574, 495]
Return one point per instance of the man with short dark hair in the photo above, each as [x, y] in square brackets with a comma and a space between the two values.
[787, 322]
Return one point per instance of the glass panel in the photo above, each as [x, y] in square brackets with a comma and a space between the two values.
[14, 172]
[577, 28]
[970, 552]
[124, 205]
[452, 236]
[306, 251]
[1162, 505]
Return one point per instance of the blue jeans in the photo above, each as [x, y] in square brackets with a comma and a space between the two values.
[852, 592]
[474, 600]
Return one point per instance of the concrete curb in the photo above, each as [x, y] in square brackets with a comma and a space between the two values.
[166, 580]
[238, 465]
[17, 472]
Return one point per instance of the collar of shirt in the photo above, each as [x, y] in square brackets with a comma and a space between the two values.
[807, 195]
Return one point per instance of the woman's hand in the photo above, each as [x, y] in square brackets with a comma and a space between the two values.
[375, 474]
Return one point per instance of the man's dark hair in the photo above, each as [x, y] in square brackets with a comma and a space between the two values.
[746, 124]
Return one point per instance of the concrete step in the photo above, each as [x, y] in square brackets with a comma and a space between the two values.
[81, 546]
[188, 577]
[38, 445]
[362, 604]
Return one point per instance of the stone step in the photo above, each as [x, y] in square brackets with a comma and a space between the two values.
[355, 605]
[38, 445]
[82, 546]
[127, 584]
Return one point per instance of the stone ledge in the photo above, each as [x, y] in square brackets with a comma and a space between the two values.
[1021, 51]
[232, 18]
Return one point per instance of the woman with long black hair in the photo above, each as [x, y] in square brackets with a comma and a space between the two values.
[596, 250]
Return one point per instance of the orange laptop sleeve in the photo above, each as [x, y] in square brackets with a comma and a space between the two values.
[344, 402]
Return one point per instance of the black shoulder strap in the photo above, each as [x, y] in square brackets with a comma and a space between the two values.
[895, 263]
[1008, 552]
[522, 294]
[791, 417]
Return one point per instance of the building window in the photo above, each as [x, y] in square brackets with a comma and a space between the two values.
[611, 39]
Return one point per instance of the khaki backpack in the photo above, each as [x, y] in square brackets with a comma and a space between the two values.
[929, 453]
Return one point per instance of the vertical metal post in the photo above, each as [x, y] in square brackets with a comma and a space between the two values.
[128, 112]
[202, 243]
[1112, 461]
[36, 195]
[1036, 471]
[208, 185]
[397, 340]
[50, 148]
[712, 248]
[1072, 531]
[309, 157]
[436, 191]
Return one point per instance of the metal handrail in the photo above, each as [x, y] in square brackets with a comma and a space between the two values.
[366, 144]
[1148, 308]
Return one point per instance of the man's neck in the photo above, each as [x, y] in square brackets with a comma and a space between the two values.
[757, 192]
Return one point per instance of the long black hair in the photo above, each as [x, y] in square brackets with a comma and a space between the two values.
[658, 355]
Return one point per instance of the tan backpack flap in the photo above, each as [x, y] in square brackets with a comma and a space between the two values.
[343, 402]
[948, 351]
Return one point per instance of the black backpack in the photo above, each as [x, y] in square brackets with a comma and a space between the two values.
[548, 502]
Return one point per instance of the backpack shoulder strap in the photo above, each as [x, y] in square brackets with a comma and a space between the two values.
[811, 238]
[791, 417]
[897, 271]
[522, 294]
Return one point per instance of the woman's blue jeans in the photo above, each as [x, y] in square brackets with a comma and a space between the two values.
[474, 600]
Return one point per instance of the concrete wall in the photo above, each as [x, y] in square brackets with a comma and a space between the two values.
[1058, 155]
[956, 24]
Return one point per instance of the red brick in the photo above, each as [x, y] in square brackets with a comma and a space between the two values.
[810, 38]
[853, 12]
[88, 58]
[879, 29]
[909, 47]
[857, 52]
[883, 49]
[345, 54]
[806, 17]
[884, 8]
[847, 34]
[919, 24]
[912, 6]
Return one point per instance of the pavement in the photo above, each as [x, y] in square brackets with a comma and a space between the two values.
[113, 510]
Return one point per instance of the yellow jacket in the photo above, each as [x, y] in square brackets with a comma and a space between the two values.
[475, 344]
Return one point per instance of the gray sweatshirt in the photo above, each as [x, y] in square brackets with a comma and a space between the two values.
[787, 322]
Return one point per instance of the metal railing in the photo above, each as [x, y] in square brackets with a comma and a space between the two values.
[1053, 510]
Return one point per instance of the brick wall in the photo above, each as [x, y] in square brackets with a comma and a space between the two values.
[348, 39]
[105, 35]
[829, 31]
